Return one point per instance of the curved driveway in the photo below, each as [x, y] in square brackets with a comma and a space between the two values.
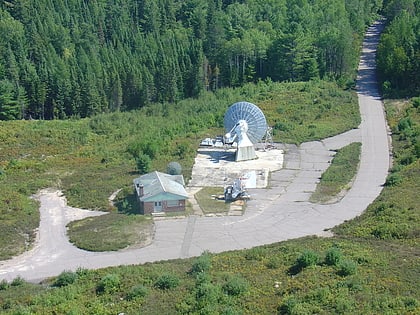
[276, 214]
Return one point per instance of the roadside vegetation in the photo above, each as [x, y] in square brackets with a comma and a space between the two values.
[338, 176]
[395, 215]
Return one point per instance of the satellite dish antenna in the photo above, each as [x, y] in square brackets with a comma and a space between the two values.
[246, 125]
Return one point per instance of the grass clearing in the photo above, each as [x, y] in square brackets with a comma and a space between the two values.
[110, 232]
[339, 174]
[209, 203]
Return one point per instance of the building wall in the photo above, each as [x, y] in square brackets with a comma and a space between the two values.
[180, 207]
[148, 207]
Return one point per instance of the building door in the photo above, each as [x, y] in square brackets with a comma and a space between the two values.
[158, 206]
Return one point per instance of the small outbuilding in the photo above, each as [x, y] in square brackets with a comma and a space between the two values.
[159, 192]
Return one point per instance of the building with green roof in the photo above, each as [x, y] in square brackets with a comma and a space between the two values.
[160, 193]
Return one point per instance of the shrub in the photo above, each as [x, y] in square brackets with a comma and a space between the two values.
[202, 263]
[174, 168]
[108, 284]
[393, 179]
[306, 259]
[347, 267]
[4, 285]
[207, 293]
[390, 230]
[235, 285]
[137, 291]
[333, 257]
[65, 278]
[256, 253]
[273, 262]
[143, 163]
[18, 281]
[167, 281]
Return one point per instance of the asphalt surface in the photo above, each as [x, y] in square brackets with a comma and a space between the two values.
[274, 214]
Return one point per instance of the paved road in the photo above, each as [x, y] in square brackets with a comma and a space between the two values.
[276, 214]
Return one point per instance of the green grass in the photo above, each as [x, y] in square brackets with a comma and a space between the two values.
[208, 203]
[339, 174]
[111, 231]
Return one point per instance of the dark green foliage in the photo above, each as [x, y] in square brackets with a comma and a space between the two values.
[18, 281]
[398, 51]
[393, 179]
[306, 259]
[81, 58]
[333, 256]
[65, 278]
[4, 285]
[201, 264]
[174, 168]
[137, 291]
[347, 267]
[235, 285]
[108, 284]
[391, 230]
[167, 281]
[143, 163]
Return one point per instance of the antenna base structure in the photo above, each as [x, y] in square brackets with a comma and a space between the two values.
[246, 125]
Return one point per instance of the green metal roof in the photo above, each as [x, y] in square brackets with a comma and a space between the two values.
[159, 186]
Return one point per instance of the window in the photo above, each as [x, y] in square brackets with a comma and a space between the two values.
[172, 203]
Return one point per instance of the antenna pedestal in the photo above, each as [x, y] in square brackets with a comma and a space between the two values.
[244, 153]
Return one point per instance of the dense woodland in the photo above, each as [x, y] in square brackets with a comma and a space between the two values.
[76, 58]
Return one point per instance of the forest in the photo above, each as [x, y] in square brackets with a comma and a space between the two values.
[78, 58]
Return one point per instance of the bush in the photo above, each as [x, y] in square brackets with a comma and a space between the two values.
[18, 281]
[143, 163]
[202, 263]
[235, 285]
[273, 262]
[167, 281]
[347, 267]
[256, 253]
[137, 291]
[174, 168]
[108, 284]
[306, 259]
[333, 257]
[65, 278]
[393, 179]
[4, 285]
[390, 230]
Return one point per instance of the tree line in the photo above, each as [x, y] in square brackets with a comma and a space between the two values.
[398, 56]
[77, 58]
